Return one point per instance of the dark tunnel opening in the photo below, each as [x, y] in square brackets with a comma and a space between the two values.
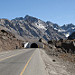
[34, 45]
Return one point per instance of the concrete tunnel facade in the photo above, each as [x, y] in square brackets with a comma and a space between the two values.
[33, 45]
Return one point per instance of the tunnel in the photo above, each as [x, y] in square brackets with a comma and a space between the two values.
[34, 45]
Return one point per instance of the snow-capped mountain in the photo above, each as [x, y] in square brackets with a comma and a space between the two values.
[67, 29]
[31, 27]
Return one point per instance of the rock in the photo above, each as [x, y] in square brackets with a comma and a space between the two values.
[69, 47]
[54, 60]
[4, 37]
[72, 36]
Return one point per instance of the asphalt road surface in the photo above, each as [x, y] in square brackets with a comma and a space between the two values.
[22, 62]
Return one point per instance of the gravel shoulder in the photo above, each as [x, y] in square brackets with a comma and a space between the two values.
[57, 66]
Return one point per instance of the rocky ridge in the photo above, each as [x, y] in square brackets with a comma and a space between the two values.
[31, 27]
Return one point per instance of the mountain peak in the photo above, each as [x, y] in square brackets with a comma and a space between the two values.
[66, 26]
[30, 18]
[48, 22]
[18, 18]
[32, 27]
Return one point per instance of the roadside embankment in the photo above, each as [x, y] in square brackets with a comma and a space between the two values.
[57, 66]
[8, 41]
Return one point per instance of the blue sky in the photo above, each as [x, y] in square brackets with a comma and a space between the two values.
[56, 11]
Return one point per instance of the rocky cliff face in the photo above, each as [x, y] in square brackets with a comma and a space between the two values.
[31, 27]
[72, 36]
[68, 29]
[8, 41]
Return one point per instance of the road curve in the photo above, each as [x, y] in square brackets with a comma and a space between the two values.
[22, 62]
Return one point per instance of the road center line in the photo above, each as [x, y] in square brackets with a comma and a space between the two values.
[10, 56]
[26, 64]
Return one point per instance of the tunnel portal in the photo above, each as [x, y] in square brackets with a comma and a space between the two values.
[34, 45]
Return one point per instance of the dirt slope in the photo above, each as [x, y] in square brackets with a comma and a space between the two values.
[8, 41]
[56, 66]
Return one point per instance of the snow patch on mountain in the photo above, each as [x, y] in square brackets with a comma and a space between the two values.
[55, 29]
[67, 35]
[40, 26]
[61, 30]
[73, 27]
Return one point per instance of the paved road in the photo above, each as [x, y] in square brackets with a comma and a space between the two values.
[22, 62]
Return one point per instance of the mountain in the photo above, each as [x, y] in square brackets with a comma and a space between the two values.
[8, 41]
[33, 28]
[66, 29]
[72, 36]
[55, 26]
[69, 28]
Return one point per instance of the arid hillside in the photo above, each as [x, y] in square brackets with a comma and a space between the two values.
[8, 41]
[64, 49]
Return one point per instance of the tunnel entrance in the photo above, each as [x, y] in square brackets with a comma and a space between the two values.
[34, 45]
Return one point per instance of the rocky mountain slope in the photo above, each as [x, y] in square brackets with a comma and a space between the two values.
[72, 36]
[8, 41]
[67, 29]
[30, 27]
[33, 28]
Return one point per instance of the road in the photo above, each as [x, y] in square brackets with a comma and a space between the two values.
[22, 62]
